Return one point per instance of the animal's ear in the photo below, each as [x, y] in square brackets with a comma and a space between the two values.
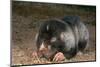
[53, 39]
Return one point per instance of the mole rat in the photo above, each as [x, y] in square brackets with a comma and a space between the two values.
[58, 39]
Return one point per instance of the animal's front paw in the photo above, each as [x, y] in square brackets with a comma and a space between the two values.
[59, 57]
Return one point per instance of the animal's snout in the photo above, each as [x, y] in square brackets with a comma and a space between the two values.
[43, 49]
[42, 52]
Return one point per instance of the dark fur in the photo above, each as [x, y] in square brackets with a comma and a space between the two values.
[70, 33]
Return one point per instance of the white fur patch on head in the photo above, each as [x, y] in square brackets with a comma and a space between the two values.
[53, 39]
[62, 36]
[47, 27]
